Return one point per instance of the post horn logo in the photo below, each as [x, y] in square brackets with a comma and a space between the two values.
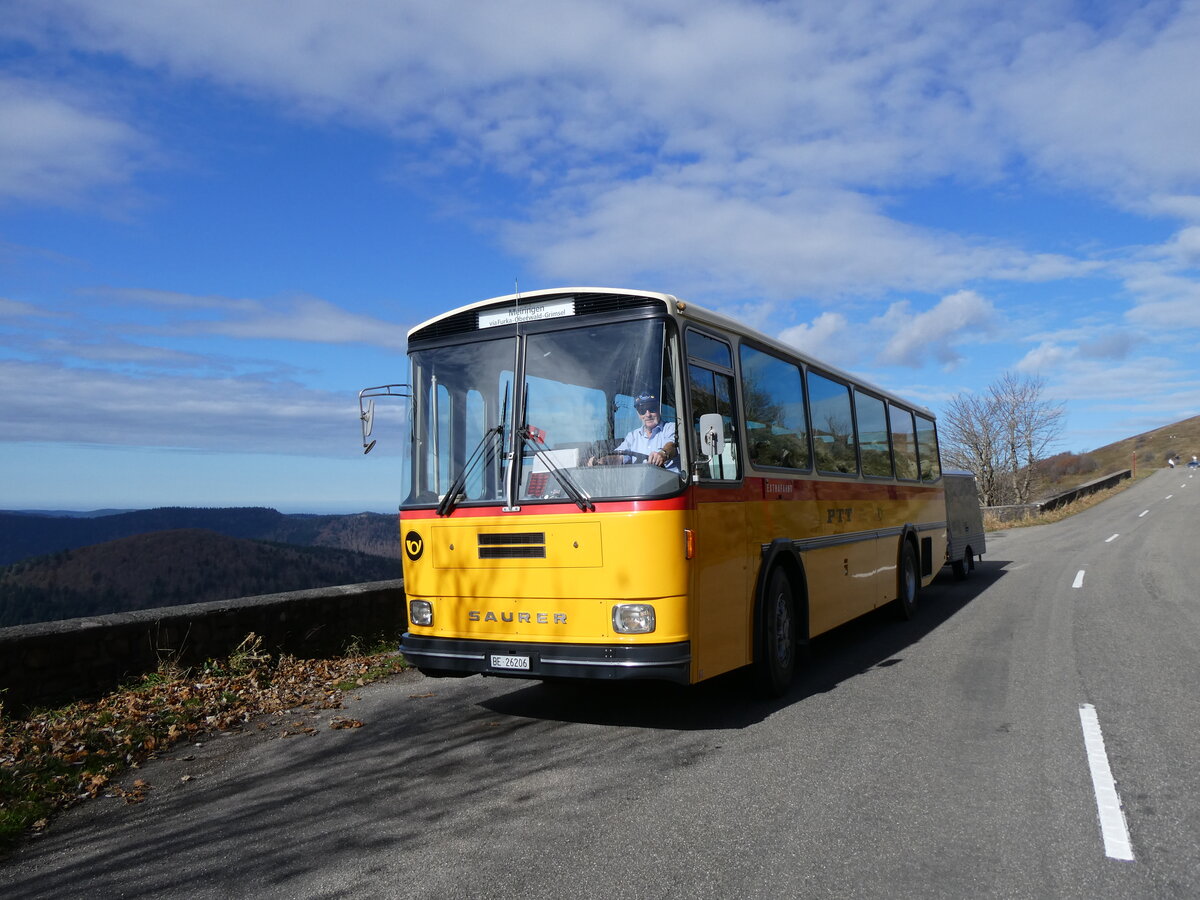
[413, 545]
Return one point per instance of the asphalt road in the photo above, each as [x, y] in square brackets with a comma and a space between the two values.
[943, 757]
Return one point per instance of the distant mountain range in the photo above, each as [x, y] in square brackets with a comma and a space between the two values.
[25, 534]
[58, 567]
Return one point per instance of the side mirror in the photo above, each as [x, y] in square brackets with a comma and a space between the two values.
[366, 411]
[712, 434]
[368, 418]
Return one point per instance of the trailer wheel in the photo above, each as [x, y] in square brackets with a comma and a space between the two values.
[962, 567]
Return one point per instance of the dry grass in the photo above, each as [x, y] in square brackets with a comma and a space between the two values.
[52, 759]
[992, 523]
[1144, 452]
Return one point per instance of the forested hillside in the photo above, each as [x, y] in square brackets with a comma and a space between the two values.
[23, 535]
[167, 568]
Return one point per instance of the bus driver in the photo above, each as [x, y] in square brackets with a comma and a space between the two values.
[654, 441]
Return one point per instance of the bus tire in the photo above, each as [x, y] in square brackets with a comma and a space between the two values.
[908, 587]
[775, 663]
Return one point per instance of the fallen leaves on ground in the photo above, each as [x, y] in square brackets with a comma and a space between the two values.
[51, 760]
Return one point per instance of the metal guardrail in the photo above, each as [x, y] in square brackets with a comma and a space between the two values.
[1016, 512]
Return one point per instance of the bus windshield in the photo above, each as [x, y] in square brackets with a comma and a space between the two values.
[568, 424]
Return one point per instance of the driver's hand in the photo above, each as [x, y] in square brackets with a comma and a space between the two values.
[656, 458]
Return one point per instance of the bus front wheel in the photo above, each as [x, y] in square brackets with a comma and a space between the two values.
[775, 662]
[909, 585]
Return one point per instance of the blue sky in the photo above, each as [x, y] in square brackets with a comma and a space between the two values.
[218, 220]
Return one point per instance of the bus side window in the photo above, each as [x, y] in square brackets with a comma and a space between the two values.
[873, 444]
[712, 392]
[904, 442]
[927, 448]
[773, 404]
[832, 425]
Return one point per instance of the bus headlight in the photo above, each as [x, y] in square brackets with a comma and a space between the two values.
[420, 612]
[633, 618]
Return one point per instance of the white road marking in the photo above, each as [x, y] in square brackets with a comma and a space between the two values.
[1169, 496]
[1143, 513]
[1111, 539]
[1113, 827]
[1078, 582]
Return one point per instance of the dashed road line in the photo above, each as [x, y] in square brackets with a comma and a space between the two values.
[1078, 582]
[1113, 827]
[1111, 539]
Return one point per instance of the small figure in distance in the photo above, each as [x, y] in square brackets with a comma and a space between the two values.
[653, 442]
[1194, 463]
[1171, 461]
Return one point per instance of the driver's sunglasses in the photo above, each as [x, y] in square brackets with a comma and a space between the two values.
[642, 410]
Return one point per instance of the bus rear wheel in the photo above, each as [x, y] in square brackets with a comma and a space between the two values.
[775, 662]
[909, 586]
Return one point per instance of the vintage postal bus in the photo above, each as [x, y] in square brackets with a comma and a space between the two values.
[619, 484]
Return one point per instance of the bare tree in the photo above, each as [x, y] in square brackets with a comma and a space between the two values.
[1031, 424]
[970, 434]
[1000, 435]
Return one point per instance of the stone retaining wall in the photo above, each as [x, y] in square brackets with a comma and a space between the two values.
[57, 662]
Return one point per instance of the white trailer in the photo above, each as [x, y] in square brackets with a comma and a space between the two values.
[966, 541]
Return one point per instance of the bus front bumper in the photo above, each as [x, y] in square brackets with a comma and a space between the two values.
[448, 656]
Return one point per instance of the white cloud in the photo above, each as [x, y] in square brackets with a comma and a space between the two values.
[826, 330]
[751, 130]
[292, 318]
[16, 309]
[717, 149]
[55, 150]
[899, 336]
[117, 351]
[1107, 107]
[1184, 247]
[933, 334]
[1162, 280]
[706, 241]
[803, 89]
[308, 319]
[97, 406]
[1180, 206]
[1110, 345]
[1045, 357]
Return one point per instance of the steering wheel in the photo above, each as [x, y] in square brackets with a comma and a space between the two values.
[637, 457]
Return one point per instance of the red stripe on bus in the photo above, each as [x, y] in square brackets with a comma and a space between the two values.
[748, 491]
[552, 509]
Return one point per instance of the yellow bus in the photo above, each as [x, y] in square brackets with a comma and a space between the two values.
[611, 484]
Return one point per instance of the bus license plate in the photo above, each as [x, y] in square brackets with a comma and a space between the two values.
[510, 662]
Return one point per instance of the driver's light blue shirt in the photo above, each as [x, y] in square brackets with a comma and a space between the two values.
[640, 442]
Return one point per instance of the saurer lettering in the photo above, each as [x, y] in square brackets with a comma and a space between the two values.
[478, 615]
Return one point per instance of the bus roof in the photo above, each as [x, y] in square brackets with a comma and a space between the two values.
[687, 311]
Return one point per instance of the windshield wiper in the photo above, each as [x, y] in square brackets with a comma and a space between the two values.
[486, 443]
[531, 437]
